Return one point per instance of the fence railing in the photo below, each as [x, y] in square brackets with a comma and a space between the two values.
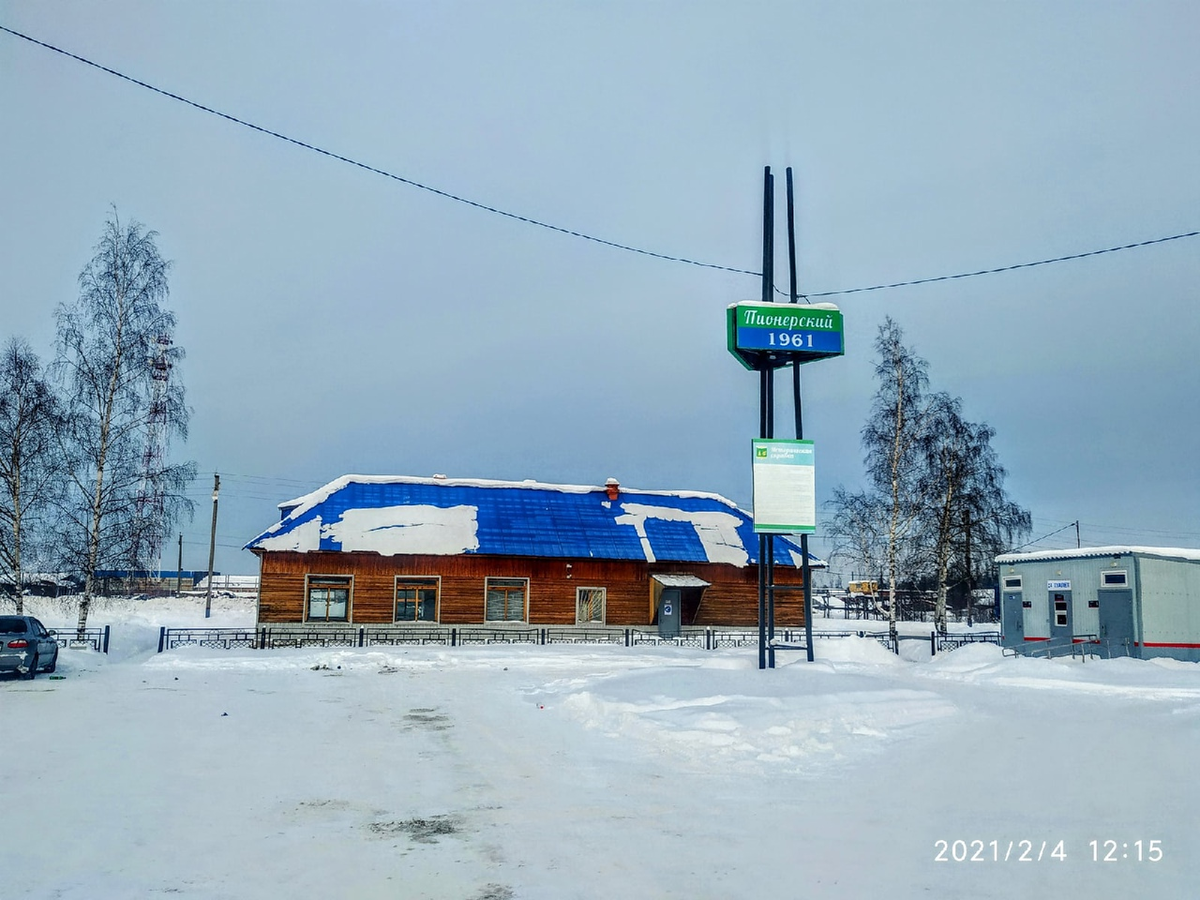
[1079, 646]
[700, 637]
[96, 638]
[218, 638]
[943, 641]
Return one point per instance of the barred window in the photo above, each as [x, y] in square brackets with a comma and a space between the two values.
[589, 606]
[506, 599]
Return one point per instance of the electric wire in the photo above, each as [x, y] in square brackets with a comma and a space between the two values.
[1042, 538]
[369, 168]
[573, 232]
[1010, 268]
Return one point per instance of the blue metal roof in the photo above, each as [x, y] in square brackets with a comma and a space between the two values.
[403, 515]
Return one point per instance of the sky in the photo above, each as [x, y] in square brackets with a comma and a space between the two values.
[338, 321]
[575, 772]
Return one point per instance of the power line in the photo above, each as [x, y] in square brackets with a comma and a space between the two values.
[1011, 268]
[570, 231]
[1042, 538]
[353, 162]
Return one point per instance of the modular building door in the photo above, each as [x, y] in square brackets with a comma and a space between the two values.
[1116, 622]
[1060, 613]
[1012, 619]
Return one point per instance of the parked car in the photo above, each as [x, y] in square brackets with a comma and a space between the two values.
[26, 646]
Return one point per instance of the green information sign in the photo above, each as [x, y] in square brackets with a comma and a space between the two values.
[785, 496]
[770, 335]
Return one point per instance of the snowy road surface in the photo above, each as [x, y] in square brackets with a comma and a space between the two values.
[485, 773]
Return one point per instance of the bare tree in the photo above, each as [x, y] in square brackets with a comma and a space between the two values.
[30, 464]
[857, 530]
[963, 485]
[891, 437]
[111, 344]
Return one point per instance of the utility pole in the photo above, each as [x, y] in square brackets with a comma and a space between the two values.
[212, 547]
[970, 573]
[179, 568]
[1077, 544]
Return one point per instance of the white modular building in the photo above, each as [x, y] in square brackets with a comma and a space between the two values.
[1132, 601]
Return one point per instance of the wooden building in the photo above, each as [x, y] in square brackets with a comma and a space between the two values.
[402, 550]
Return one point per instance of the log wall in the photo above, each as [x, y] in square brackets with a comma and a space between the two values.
[732, 598]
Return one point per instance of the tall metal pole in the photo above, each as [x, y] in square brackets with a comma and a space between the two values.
[796, 395]
[179, 569]
[212, 547]
[765, 411]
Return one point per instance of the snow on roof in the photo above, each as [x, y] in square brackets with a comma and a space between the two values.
[681, 581]
[1088, 552]
[448, 516]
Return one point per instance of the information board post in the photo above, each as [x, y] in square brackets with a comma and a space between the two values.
[765, 336]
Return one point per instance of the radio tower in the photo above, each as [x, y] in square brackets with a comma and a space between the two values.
[150, 494]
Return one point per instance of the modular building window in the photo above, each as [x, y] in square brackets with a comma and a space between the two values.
[1012, 582]
[506, 599]
[328, 598]
[589, 606]
[416, 599]
[1114, 578]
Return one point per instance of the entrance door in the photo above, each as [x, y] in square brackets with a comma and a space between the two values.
[1060, 614]
[670, 612]
[1116, 622]
[1012, 619]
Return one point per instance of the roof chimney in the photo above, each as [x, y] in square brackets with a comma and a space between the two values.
[612, 487]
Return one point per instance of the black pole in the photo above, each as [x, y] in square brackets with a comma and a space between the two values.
[765, 407]
[796, 395]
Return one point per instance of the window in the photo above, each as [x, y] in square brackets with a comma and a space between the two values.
[506, 599]
[1012, 582]
[1114, 578]
[416, 599]
[1060, 609]
[589, 606]
[328, 598]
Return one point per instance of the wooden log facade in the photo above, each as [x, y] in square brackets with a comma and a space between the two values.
[383, 550]
[730, 599]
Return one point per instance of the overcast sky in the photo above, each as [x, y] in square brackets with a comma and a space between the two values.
[337, 321]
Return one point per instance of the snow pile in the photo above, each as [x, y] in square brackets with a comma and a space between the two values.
[555, 772]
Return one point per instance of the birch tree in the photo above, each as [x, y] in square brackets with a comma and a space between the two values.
[110, 344]
[30, 463]
[963, 484]
[890, 439]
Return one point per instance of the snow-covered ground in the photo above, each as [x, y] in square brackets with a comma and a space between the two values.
[557, 772]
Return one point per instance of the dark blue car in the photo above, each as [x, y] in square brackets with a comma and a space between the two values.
[26, 647]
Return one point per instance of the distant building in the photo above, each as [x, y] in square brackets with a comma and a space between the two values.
[404, 550]
[1133, 601]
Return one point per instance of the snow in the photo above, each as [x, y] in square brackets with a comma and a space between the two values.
[583, 771]
[323, 493]
[717, 531]
[1189, 553]
[305, 536]
[406, 529]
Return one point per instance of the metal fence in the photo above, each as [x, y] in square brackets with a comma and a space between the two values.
[95, 638]
[704, 638]
[1079, 646]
